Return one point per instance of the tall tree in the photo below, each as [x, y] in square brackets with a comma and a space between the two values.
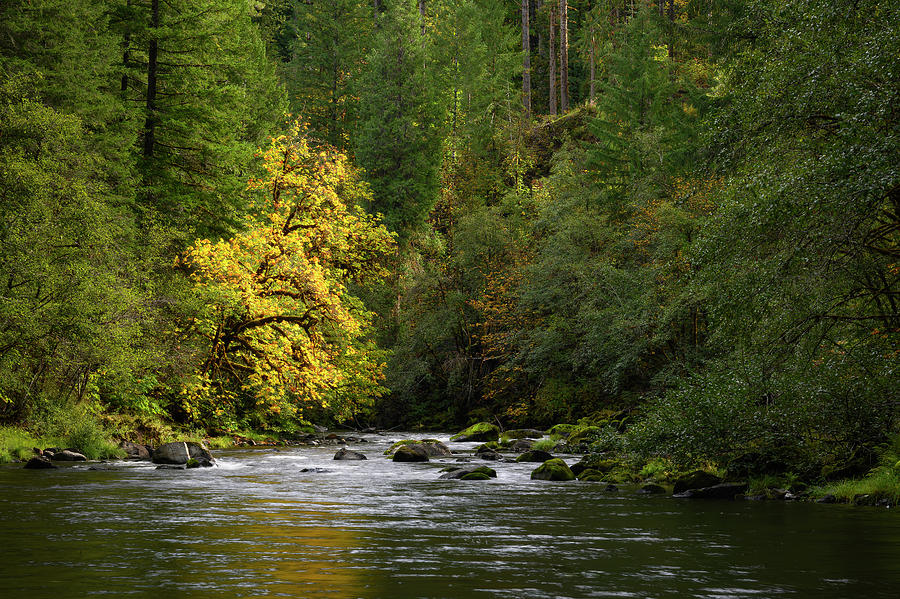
[210, 96]
[397, 140]
[552, 62]
[526, 57]
[564, 55]
[331, 42]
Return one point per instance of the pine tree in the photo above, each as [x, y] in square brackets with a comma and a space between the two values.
[330, 44]
[398, 140]
[209, 96]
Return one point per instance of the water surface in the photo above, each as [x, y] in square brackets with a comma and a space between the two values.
[259, 527]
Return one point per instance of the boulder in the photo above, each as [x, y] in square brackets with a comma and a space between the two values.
[535, 455]
[698, 479]
[180, 452]
[554, 469]
[410, 453]
[720, 491]
[39, 463]
[432, 447]
[461, 473]
[488, 454]
[522, 445]
[651, 489]
[135, 451]
[67, 455]
[345, 454]
[483, 431]
[476, 476]
[828, 498]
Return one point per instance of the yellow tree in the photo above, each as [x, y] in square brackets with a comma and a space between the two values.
[280, 328]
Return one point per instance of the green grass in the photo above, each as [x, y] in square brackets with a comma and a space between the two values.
[16, 444]
[545, 444]
[882, 482]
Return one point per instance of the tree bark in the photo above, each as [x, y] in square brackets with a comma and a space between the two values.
[422, 12]
[563, 55]
[593, 93]
[526, 52]
[552, 61]
[152, 67]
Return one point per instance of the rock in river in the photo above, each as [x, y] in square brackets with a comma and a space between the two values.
[483, 473]
[39, 463]
[698, 479]
[67, 455]
[345, 454]
[722, 491]
[535, 455]
[410, 453]
[554, 469]
[483, 431]
[180, 452]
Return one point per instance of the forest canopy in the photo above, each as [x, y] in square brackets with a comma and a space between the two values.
[239, 215]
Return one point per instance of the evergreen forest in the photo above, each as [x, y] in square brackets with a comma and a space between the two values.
[673, 225]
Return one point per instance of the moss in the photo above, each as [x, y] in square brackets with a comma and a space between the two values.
[590, 474]
[593, 478]
[562, 430]
[554, 469]
[390, 450]
[482, 431]
[476, 476]
[489, 472]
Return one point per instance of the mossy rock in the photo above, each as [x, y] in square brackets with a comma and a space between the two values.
[584, 435]
[410, 453]
[483, 431]
[599, 462]
[490, 446]
[587, 474]
[432, 447]
[461, 473]
[563, 430]
[554, 469]
[698, 479]
[593, 478]
[390, 450]
[534, 455]
[476, 476]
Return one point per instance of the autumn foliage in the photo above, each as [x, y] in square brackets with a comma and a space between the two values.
[281, 327]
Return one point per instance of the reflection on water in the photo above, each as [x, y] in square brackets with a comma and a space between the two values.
[259, 526]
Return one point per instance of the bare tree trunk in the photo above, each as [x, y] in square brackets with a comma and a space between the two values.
[563, 55]
[152, 67]
[526, 51]
[552, 61]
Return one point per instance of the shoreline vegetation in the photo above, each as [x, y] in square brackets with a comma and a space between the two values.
[878, 487]
[666, 232]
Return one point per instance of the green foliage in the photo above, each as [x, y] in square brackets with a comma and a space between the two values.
[397, 138]
[16, 444]
[330, 44]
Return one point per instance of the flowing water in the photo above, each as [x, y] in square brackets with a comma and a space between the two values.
[257, 526]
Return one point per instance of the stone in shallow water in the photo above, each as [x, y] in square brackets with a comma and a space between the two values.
[554, 469]
[67, 455]
[722, 491]
[180, 452]
[39, 463]
[410, 453]
[346, 454]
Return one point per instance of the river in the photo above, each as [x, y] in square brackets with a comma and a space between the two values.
[258, 526]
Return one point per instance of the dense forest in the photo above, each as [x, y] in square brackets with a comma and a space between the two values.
[675, 221]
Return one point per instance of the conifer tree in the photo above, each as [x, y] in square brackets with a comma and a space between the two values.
[331, 41]
[397, 140]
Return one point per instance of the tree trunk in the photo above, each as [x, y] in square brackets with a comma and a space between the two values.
[526, 52]
[593, 94]
[152, 67]
[563, 55]
[552, 61]
[422, 13]
[376, 8]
